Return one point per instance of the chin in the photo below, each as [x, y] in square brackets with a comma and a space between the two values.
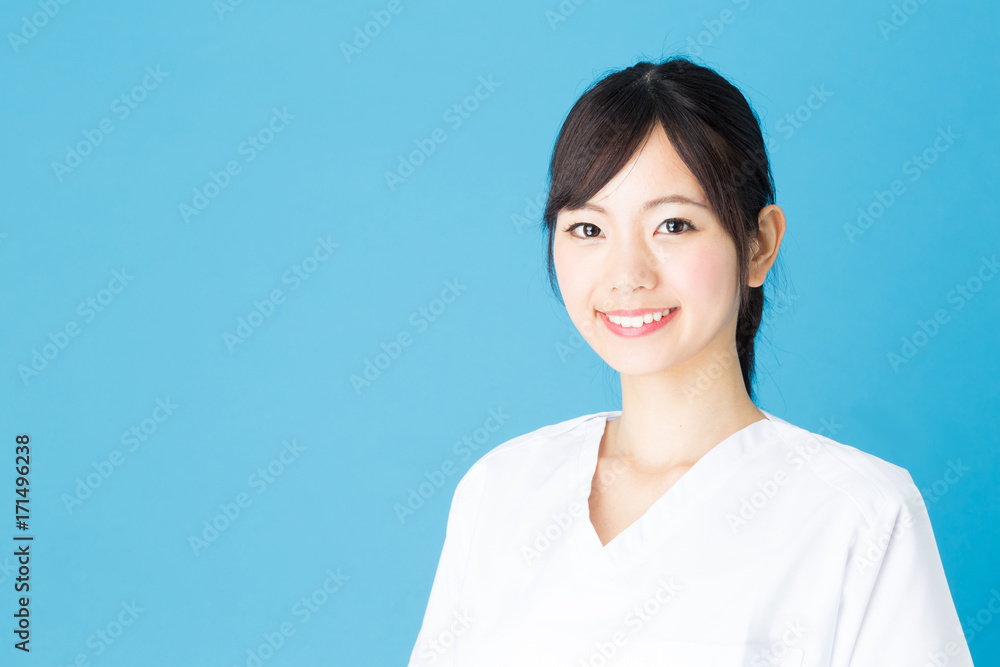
[639, 364]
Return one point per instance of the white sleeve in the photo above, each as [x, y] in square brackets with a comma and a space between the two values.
[902, 606]
[444, 619]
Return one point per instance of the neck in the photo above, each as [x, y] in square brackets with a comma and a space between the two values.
[671, 419]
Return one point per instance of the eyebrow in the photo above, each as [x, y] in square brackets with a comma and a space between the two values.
[652, 203]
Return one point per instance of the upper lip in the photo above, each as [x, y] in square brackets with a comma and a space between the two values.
[635, 313]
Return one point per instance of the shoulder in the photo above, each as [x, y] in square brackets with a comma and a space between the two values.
[876, 487]
[533, 455]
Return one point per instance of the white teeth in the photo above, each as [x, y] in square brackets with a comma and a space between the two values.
[636, 322]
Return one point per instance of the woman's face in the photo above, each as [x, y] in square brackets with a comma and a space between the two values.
[625, 252]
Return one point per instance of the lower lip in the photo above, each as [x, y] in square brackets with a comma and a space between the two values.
[635, 332]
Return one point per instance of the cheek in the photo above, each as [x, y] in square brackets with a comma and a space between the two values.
[705, 277]
[574, 278]
[568, 270]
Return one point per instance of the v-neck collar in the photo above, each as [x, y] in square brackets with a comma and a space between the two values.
[664, 513]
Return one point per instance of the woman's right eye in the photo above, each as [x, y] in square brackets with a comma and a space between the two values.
[586, 226]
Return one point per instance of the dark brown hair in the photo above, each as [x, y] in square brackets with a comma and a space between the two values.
[714, 131]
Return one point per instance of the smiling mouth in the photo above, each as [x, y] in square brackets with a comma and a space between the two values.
[639, 321]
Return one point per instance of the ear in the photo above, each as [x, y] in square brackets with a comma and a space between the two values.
[770, 230]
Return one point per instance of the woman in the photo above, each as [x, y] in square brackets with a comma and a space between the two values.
[689, 527]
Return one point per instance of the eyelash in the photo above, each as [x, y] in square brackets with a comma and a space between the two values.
[569, 229]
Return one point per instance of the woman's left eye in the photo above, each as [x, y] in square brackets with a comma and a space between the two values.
[674, 225]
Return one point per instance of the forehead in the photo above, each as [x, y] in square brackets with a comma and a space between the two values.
[656, 170]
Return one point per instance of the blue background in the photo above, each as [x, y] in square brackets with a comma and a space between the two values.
[465, 215]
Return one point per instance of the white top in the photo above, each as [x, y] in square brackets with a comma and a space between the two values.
[774, 549]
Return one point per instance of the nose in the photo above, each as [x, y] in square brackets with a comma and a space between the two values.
[631, 264]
